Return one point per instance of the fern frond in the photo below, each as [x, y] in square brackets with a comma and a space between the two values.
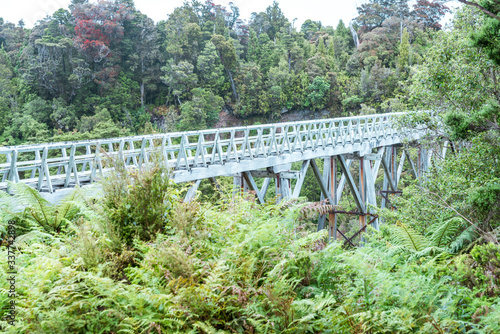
[466, 237]
[67, 208]
[39, 208]
[315, 208]
[429, 251]
[403, 235]
[443, 232]
[207, 328]
[32, 237]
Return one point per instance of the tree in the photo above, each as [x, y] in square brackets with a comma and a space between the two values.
[201, 112]
[179, 77]
[271, 22]
[321, 46]
[142, 54]
[371, 15]
[310, 27]
[404, 52]
[429, 13]
[182, 34]
[253, 96]
[211, 70]
[488, 37]
[459, 78]
[98, 32]
[228, 58]
[8, 92]
[317, 93]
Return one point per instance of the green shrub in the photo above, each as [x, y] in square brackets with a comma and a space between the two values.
[137, 202]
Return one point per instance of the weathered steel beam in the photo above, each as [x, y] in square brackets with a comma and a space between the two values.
[251, 183]
[352, 186]
[321, 183]
[192, 191]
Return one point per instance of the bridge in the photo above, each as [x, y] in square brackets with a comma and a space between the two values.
[245, 153]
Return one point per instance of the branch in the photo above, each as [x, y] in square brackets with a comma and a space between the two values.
[484, 10]
[448, 206]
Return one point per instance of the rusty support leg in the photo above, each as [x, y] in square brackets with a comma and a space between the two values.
[332, 217]
[278, 188]
[362, 221]
[326, 171]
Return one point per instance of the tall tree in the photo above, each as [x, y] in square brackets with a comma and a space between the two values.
[429, 13]
[371, 15]
[179, 77]
[142, 56]
[98, 33]
[228, 58]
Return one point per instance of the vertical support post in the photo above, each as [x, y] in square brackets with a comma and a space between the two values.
[419, 162]
[362, 218]
[265, 186]
[332, 218]
[277, 183]
[87, 152]
[96, 163]
[44, 171]
[389, 181]
[370, 195]
[33, 171]
[326, 172]
[13, 174]
[192, 191]
[236, 184]
[72, 168]
[64, 155]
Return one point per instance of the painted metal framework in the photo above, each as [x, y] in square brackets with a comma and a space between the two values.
[204, 154]
[245, 153]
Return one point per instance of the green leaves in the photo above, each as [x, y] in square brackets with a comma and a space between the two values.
[316, 97]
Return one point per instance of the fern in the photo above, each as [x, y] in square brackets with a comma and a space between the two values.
[442, 233]
[28, 204]
[311, 209]
[406, 237]
[466, 237]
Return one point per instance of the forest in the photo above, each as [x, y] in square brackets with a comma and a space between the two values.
[104, 69]
[128, 255]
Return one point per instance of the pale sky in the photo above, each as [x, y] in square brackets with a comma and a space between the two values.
[329, 12]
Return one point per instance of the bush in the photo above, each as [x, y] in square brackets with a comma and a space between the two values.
[137, 202]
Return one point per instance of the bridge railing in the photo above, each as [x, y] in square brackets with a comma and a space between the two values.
[59, 164]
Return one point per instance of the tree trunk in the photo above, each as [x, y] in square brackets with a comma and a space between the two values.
[233, 86]
[142, 93]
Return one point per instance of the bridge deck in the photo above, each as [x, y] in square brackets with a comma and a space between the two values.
[203, 154]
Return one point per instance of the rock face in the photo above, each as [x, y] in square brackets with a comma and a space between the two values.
[227, 119]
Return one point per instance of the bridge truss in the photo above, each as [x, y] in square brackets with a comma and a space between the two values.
[247, 152]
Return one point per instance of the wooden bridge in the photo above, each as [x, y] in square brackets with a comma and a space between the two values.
[245, 153]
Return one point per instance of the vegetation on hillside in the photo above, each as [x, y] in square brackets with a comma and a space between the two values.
[104, 69]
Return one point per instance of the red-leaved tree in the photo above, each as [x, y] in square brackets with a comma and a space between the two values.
[98, 32]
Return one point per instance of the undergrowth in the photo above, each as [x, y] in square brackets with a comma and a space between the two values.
[232, 267]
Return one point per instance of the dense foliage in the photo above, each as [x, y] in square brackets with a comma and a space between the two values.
[127, 255]
[105, 69]
[233, 266]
